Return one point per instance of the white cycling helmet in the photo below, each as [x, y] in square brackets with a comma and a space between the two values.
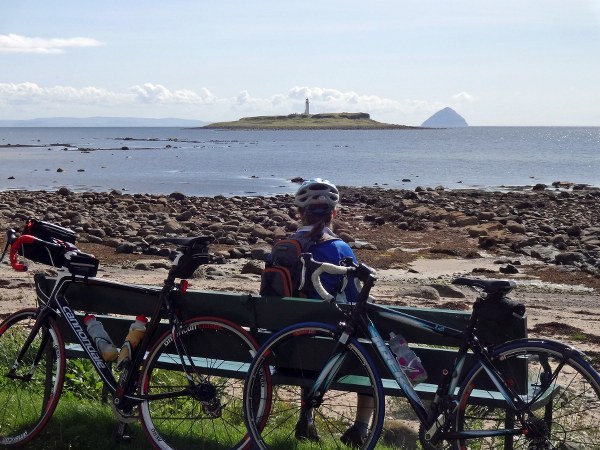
[317, 191]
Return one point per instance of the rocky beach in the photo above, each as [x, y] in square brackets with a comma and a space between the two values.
[546, 237]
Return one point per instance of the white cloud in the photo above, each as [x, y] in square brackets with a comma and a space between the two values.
[464, 97]
[154, 100]
[31, 93]
[14, 43]
[28, 92]
[329, 100]
[243, 97]
[156, 93]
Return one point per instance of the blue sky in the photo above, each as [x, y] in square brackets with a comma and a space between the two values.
[510, 62]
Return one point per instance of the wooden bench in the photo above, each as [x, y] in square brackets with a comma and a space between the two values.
[110, 301]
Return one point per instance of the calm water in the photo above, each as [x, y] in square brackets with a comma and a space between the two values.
[211, 162]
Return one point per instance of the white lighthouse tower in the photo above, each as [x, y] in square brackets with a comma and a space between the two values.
[306, 108]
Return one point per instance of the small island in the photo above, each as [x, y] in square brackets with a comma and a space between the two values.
[325, 121]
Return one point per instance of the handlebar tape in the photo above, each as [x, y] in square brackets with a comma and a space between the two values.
[327, 268]
[14, 248]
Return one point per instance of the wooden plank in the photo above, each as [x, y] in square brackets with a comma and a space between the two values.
[271, 313]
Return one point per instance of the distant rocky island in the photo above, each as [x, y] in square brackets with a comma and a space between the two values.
[445, 118]
[325, 121]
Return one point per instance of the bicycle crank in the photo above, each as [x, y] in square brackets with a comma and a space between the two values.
[124, 416]
[428, 445]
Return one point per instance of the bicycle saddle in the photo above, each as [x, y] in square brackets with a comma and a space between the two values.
[488, 286]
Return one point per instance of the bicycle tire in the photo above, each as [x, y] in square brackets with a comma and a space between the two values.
[565, 410]
[309, 346]
[185, 422]
[30, 392]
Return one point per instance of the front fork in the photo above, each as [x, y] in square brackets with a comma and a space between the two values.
[38, 325]
[314, 394]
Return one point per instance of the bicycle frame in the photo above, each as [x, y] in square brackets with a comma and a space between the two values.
[449, 382]
[433, 422]
[57, 305]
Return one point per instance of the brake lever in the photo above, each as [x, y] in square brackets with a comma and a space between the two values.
[364, 273]
[11, 236]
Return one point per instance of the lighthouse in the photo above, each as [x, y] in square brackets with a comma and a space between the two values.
[306, 111]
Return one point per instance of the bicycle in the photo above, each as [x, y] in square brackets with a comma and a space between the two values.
[526, 393]
[168, 385]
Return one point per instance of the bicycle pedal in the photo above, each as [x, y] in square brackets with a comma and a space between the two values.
[120, 433]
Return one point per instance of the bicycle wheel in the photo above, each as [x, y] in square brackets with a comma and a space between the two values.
[29, 390]
[560, 389]
[210, 415]
[294, 356]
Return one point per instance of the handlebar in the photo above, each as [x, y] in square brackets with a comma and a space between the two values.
[14, 248]
[17, 242]
[14, 242]
[361, 272]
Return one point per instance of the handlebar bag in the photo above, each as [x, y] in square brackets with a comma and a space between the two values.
[50, 252]
[44, 253]
[48, 231]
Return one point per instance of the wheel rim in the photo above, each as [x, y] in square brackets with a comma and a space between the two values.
[197, 420]
[28, 399]
[288, 423]
[564, 403]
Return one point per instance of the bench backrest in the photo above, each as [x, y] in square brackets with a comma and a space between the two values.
[264, 315]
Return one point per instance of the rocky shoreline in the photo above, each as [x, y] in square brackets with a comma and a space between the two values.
[556, 226]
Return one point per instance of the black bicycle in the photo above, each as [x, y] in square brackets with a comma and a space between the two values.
[523, 394]
[168, 384]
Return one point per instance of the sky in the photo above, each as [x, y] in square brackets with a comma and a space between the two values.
[496, 63]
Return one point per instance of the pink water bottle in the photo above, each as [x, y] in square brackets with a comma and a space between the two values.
[409, 362]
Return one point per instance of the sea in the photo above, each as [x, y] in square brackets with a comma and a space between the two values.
[205, 162]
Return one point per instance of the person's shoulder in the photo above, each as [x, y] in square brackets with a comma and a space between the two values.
[343, 245]
[340, 245]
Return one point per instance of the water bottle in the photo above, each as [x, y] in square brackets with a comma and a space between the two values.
[132, 340]
[101, 338]
[409, 362]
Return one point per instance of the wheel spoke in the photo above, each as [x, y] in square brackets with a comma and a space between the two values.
[289, 424]
[561, 395]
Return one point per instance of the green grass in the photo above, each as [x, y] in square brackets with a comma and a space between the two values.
[85, 424]
[90, 424]
[579, 336]
[82, 421]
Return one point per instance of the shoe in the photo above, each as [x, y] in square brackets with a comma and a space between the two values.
[354, 436]
[306, 430]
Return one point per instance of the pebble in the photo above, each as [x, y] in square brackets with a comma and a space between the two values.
[557, 225]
